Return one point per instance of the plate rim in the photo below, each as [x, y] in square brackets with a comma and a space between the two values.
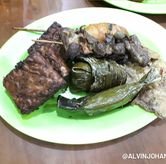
[139, 7]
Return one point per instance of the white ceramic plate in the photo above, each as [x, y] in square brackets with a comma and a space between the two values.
[147, 6]
[45, 124]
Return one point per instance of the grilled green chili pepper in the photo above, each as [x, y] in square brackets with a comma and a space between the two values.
[109, 99]
[91, 74]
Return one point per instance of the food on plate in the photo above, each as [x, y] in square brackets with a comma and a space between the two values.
[104, 40]
[40, 75]
[111, 98]
[100, 30]
[53, 53]
[97, 39]
[152, 98]
[137, 52]
[91, 74]
[32, 82]
[92, 58]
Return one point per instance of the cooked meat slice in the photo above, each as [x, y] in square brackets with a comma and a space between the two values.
[40, 75]
[53, 53]
[152, 98]
[32, 82]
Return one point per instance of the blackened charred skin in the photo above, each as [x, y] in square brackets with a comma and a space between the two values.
[40, 75]
[120, 59]
[73, 50]
[71, 104]
[137, 52]
[99, 49]
[53, 32]
[119, 48]
[33, 84]
[114, 40]
[19, 65]
[54, 53]
[110, 39]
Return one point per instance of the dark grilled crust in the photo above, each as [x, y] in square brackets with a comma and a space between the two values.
[32, 82]
[53, 53]
[40, 75]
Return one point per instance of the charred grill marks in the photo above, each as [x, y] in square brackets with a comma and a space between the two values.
[40, 75]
